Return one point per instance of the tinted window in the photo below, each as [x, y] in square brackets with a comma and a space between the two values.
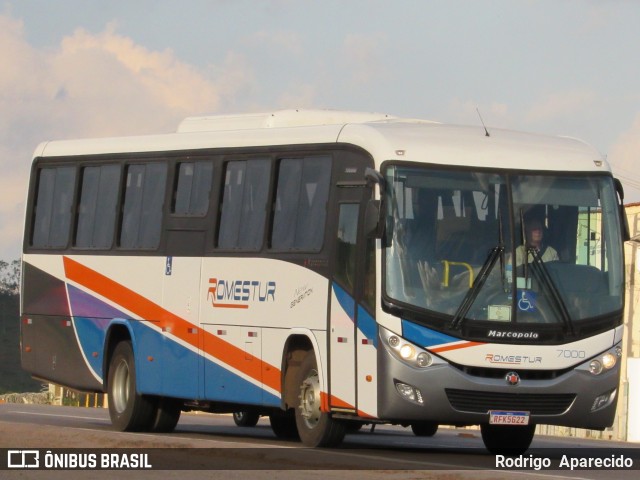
[244, 204]
[301, 203]
[97, 208]
[52, 214]
[143, 202]
[345, 267]
[193, 188]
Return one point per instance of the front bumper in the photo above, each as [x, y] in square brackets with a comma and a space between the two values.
[450, 396]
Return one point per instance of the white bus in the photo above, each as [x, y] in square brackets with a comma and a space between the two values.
[329, 269]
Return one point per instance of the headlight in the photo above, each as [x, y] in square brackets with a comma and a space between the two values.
[595, 367]
[406, 351]
[603, 362]
[609, 361]
[424, 359]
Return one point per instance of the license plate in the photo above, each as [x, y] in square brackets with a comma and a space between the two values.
[501, 417]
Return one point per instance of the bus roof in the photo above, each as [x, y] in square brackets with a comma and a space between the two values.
[385, 137]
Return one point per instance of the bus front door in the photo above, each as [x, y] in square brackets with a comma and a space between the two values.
[346, 293]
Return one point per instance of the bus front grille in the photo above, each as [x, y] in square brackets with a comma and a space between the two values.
[535, 403]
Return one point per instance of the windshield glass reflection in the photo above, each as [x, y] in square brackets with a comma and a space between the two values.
[485, 246]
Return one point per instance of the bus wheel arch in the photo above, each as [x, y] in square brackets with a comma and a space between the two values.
[117, 333]
[316, 427]
[295, 350]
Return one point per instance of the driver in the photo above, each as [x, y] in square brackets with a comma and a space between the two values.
[534, 239]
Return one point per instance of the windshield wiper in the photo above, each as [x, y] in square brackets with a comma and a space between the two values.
[551, 291]
[496, 253]
[501, 245]
[472, 294]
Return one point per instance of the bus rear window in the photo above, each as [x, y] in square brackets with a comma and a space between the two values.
[52, 211]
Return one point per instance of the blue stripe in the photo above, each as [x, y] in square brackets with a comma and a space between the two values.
[345, 300]
[423, 336]
[223, 386]
[367, 325]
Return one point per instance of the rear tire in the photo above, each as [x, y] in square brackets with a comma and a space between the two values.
[167, 415]
[129, 411]
[507, 439]
[316, 428]
[246, 418]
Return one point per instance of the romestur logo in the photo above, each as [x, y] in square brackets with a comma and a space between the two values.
[240, 293]
[512, 359]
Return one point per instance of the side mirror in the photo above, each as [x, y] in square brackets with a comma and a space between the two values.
[373, 226]
[374, 215]
[624, 222]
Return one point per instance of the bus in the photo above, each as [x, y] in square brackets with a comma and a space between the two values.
[329, 269]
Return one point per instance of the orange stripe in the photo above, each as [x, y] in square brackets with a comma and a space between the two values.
[365, 415]
[324, 402]
[229, 305]
[147, 310]
[455, 347]
[339, 403]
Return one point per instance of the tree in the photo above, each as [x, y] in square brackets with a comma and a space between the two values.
[12, 377]
[10, 277]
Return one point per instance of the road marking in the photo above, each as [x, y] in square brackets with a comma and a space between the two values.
[57, 415]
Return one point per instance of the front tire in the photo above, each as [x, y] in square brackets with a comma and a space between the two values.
[507, 439]
[316, 428]
[424, 429]
[129, 411]
[283, 425]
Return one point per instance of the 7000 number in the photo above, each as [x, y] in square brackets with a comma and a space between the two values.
[571, 353]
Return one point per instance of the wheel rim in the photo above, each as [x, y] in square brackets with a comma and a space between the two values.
[120, 391]
[310, 399]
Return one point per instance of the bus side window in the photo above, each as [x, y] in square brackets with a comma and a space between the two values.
[141, 222]
[97, 208]
[301, 203]
[244, 204]
[191, 196]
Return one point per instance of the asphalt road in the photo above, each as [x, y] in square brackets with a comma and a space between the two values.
[212, 446]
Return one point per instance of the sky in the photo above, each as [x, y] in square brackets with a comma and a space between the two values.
[81, 68]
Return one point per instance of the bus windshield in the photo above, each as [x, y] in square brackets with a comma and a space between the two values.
[510, 248]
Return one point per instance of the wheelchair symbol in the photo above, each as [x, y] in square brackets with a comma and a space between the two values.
[527, 301]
